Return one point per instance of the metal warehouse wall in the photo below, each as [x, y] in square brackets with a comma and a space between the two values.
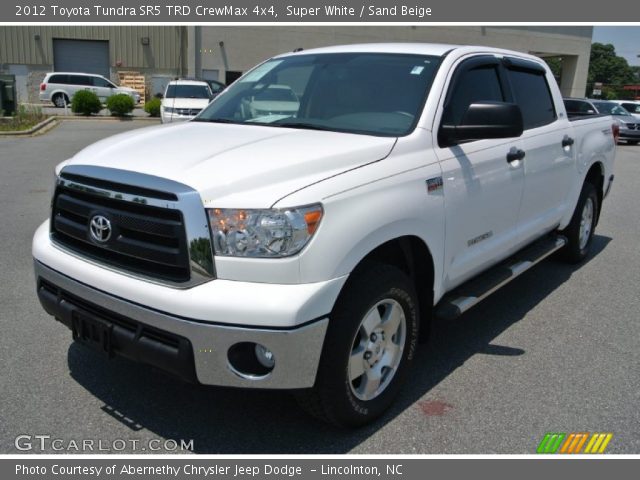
[21, 45]
[222, 48]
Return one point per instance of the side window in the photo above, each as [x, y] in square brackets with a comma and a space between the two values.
[532, 94]
[576, 107]
[100, 82]
[79, 80]
[478, 84]
[60, 79]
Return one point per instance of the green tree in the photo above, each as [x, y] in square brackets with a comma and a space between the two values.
[609, 69]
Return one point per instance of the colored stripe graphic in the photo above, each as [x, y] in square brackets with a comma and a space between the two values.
[598, 443]
[572, 443]
[551, 442]
[580, 443]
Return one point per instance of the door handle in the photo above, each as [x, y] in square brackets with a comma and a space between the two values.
[515, 154]
[567, 141]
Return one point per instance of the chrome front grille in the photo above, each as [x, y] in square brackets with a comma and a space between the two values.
[148, 224]
[191, 112]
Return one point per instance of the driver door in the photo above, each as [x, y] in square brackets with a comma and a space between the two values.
[102, 88]
[482, 187]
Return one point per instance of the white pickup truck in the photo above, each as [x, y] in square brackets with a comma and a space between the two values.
[307, 246]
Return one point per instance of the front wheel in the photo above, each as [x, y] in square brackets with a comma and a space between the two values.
[579, 232]
[370, 343]
[60, 100]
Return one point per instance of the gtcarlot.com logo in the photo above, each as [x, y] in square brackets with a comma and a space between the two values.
[574, 442]
[44, 443]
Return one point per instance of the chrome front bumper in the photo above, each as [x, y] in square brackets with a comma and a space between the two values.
[296, 350]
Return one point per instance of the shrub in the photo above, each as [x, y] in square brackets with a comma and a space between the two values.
[152, 107]
[120, 105]
[25, 118]
[86, 103]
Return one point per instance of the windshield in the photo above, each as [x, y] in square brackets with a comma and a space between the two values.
[631, 107]
[366, 93]
[187, 91]
[611, 108]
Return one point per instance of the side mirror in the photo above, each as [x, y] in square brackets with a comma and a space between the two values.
[484, 120]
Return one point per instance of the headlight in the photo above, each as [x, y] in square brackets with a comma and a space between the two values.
[269, 233]
[168, 109]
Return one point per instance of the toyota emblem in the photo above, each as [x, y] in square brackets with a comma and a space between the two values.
[100, 228]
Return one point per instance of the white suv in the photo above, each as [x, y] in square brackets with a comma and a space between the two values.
[184, 99]
[59, 87]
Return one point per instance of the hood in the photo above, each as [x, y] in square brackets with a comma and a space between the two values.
[128, 89]
[236, 166]
[185, 102]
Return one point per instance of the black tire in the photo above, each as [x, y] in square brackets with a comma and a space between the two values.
[333, 398]
[60, 100]
[632, 142]
[575, 251]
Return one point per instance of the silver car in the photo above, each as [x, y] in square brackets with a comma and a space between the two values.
[59, 87]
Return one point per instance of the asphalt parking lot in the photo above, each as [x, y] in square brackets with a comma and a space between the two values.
[554, 351]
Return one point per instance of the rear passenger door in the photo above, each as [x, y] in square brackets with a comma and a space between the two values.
[548, 143]
[482, 188]
[79, 82]
[103, 88]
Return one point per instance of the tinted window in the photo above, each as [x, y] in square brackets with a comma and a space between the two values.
[187, 91]
[532, 94]
[61, 79]
[79, 80]
[101, 82]
[577, 107]
[631, 107]
[478, 84]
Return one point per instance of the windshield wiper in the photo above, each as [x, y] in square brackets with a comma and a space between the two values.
[215, 120]
[302, 125]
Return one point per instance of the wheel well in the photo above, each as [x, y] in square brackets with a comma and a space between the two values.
[595, 176]
[411, 255]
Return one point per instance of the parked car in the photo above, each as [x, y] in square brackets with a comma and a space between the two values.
[309, 250]
[59, 87]
[271, 103]
[184, 99]
[216, 87]
[631, 106]
[628, 124]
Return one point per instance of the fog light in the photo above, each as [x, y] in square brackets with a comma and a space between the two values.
[265, 356]
[251, 360]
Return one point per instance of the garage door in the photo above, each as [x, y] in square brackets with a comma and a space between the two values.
[87, 56]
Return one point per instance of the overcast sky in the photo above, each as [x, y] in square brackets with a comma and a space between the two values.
[625, 39]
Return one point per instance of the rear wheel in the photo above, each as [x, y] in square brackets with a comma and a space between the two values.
[60, 100]
[579, 232]
[368, 348]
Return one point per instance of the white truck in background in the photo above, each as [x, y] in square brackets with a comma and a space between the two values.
[306, 248]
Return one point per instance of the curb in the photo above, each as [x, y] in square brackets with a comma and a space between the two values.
[105, 117]
[41, 127]
[54, 120]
